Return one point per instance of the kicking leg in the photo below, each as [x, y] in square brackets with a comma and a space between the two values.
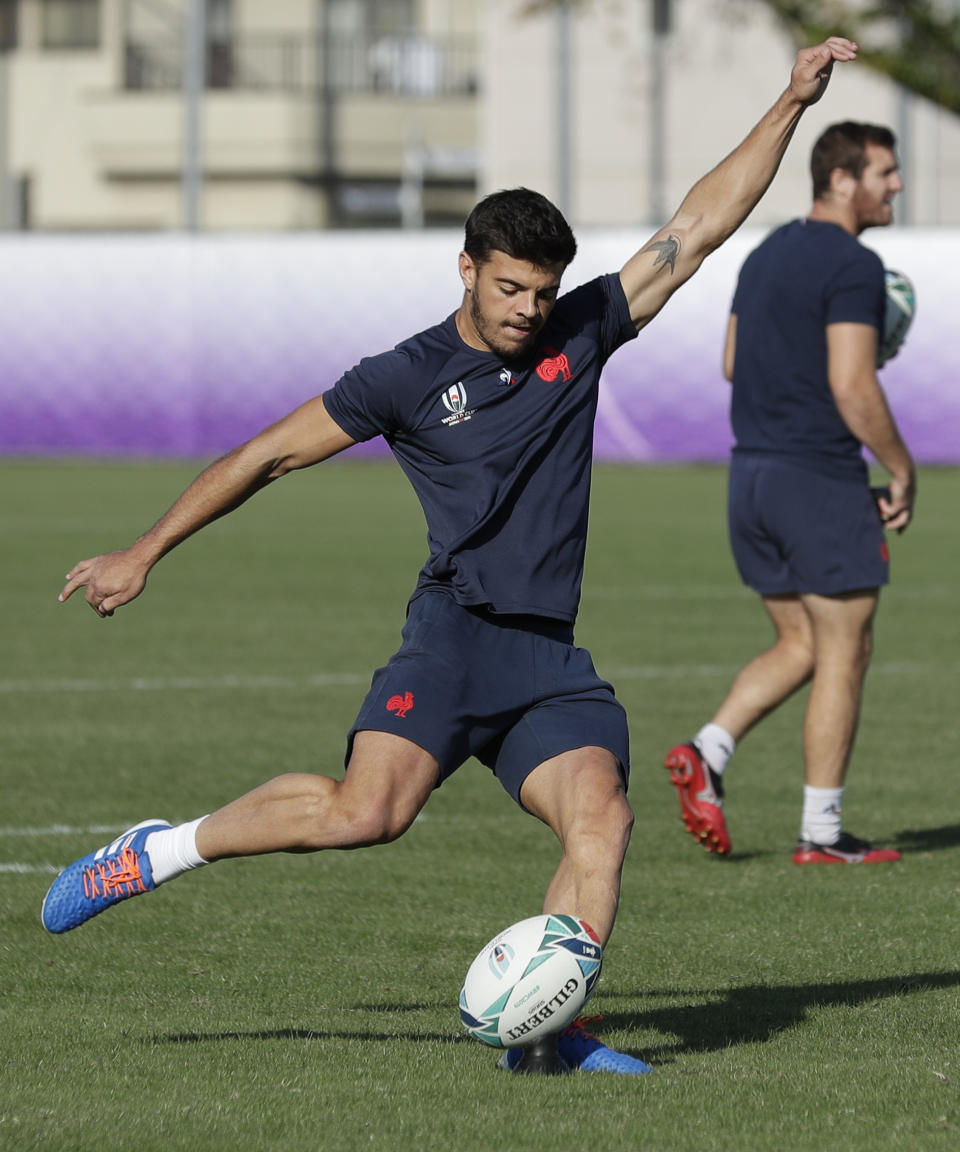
[387, 782]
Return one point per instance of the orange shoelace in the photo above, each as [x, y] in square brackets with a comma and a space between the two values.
[579, 1025]
[108, 877]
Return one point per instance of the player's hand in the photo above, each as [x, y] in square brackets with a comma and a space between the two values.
[811, 72]
[896, 504]
[111, 580]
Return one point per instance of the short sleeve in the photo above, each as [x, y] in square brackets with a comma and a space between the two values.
[856, 293]
[363, 402]
[619, 327]
[600, 307]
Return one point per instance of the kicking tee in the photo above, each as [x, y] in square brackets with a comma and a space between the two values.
[499, 452]
[804, 276]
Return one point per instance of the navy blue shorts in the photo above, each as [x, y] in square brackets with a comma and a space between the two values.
[511, 691]
[793, 530]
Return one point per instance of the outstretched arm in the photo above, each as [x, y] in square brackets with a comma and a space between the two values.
[719, 203]
[304, 437]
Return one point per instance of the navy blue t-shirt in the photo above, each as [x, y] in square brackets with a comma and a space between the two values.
[499, 452]
[805, 275]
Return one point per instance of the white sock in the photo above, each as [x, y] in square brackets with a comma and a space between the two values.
[173, 851]
[716, 746]
[821, 814]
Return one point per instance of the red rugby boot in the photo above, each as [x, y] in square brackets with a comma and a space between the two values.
[701, 797]
[847, 850]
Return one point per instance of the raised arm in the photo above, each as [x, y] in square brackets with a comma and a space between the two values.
[718, 203]
[304, 437]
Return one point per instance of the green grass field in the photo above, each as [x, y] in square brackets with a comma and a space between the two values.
[309, 1003]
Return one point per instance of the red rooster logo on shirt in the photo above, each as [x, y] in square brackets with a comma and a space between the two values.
[556, 364]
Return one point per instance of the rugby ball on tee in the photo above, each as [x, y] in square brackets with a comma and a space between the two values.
[901, 303]
[531, 980]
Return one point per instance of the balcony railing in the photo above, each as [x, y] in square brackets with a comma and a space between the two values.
[397, 65]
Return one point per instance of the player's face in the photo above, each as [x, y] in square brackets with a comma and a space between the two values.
[878, 184]
[507, 303]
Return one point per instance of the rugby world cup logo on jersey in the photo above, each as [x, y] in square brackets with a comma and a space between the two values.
[455, 402]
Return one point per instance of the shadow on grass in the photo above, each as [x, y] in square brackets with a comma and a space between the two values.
[726, 1017]
[907, 840]
[928, 839]
[717, 1019]
[310, 1034]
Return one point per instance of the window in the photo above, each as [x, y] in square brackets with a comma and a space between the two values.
[374, 47]
[371, 18]
[8, 25]
[220, 62]
[70, 24]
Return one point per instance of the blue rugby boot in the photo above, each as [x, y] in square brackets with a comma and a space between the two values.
[579, 1049]
[96, 882]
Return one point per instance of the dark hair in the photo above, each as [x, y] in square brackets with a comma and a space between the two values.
[521, 223]
[845, 146]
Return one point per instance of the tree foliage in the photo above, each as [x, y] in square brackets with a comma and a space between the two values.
[915, 42]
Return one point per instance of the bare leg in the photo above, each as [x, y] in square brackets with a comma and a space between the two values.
[772, 677]
[759, 687]
[580, 795]
[843, 639]
[387, 783]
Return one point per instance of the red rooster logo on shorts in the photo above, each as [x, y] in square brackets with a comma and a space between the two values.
[400, 705]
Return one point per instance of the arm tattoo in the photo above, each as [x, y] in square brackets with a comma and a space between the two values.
[667, 252]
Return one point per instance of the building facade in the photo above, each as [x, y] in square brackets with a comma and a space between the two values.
[250, 115]
[308, 113]
[624, 104]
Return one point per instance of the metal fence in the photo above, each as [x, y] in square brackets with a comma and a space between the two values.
[405, 65]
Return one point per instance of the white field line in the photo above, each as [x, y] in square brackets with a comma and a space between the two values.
[319, 680]
[352, 679]
[100, 831]
[185, 683]
[64, 830]
[734, 591]
[18, 868]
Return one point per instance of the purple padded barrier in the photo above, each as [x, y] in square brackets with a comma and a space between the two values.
[165, 346]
